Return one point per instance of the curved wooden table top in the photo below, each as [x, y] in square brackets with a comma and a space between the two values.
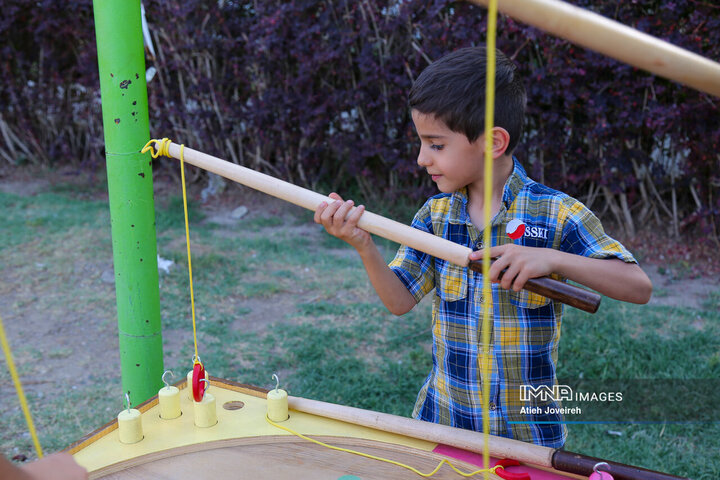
[243, 445]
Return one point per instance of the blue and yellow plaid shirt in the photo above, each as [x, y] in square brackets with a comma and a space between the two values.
[525, 326]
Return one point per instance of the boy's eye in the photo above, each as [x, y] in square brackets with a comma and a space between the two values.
[437, 147]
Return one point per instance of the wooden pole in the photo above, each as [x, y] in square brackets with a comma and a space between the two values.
[500, 447]
[379, 225]
[371, 222]
[469, 440]
[615, 40]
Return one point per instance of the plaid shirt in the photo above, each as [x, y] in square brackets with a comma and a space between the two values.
[525, 326]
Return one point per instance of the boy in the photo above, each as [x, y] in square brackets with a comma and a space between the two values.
[551, 234]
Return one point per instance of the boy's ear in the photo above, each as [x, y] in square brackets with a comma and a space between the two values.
[501, 141]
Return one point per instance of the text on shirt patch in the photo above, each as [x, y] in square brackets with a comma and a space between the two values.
[536, 232]
[516, 229]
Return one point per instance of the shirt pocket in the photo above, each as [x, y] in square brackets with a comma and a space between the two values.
[452, 283]
[527, 299]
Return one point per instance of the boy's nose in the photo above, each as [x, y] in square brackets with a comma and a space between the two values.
[423, 160]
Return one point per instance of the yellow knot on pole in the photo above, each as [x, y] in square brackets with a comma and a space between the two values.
[163, 148]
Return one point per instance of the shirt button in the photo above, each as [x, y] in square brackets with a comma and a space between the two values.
[492, 406]
[479, 244]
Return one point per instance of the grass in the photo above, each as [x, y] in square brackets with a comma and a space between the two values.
[630, 342]
[27, 218]
[271, 300]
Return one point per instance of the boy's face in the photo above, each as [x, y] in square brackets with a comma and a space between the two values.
[448, 157]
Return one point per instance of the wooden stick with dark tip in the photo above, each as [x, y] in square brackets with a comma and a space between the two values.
[378, 225]
[472, 441]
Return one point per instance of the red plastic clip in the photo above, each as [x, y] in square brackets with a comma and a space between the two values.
[198, 387]
[502, 473]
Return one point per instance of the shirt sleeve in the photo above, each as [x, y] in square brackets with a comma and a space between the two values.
[414, 268]
[584, 235]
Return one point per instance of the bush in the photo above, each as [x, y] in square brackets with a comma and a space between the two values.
[48, 83]
[315, 92]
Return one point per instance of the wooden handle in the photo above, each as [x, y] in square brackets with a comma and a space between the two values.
[565, 293]
[373, 223]
[556, 290]
[588, 29]
[469, 440]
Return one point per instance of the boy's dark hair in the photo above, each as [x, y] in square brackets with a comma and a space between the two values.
[453, 90]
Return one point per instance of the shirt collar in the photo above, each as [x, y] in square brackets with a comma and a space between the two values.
[515, 182]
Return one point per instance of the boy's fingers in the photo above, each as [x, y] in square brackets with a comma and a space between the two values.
[319, 211]
[354, 217]
[509, 277]
[498, 266]
[494, 252]
[352, 220]
[519, 282]
[329, 212]
[342, 211]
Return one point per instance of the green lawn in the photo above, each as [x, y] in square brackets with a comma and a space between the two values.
[275, 294]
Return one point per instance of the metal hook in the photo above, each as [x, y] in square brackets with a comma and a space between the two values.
[127, 400]
[196, 359]
[172, 375]
[595, 468]
[277, 382]
[207, 384]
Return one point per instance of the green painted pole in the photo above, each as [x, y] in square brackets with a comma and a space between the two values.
[121, 63]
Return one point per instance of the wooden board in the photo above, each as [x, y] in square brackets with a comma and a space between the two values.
[283, 458]
[244, 445]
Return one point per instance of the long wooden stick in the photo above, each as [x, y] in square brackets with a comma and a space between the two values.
[379, 225]
[615, 40]
[371, 222]
[471, 441]
[455, 437]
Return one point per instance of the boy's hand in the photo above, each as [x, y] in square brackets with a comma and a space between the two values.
[58, 466]
[332, 217]
[522, 263]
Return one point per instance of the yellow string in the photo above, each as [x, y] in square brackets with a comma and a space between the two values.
[163, 148]
[444, 461]
[487, 239]
[19, 389]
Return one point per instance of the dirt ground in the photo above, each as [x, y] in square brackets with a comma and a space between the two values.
[70, 345]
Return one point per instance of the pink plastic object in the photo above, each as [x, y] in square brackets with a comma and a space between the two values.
[502, 473]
